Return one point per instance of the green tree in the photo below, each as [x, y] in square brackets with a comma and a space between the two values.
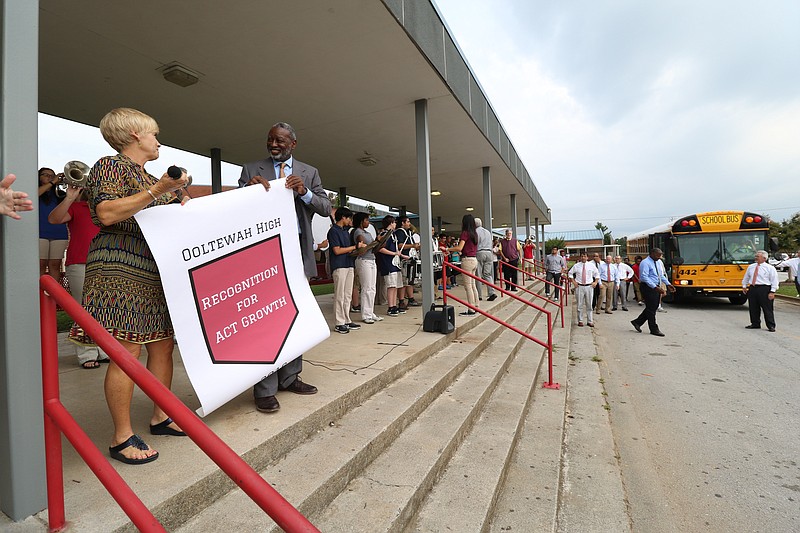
[623, 246]
[606, 234]
[788, 233]
[555, 242]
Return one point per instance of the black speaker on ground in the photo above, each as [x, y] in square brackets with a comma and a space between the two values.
[440, 319]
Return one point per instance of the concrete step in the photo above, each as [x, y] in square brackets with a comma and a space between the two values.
[464, 498]
[350, 442]
[528, 499]
[387, 494]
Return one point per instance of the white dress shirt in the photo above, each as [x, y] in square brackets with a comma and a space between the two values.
[767, 275]
[576, 272]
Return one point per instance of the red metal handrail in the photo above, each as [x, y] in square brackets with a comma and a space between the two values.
[549, 384]
[562, 300]
[58, 420]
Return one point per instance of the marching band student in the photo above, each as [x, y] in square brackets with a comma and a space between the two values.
[342, 268]
[389, 257]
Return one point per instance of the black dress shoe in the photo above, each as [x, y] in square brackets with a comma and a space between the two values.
[657, 333]
[267, 404]
[491, 298]
[752, 326]
[771, 329]
[636, 326]
[298, 387]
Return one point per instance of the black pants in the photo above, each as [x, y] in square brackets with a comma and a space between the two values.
[652, 299]
[555, 278]
[510, 274]
[758, 300]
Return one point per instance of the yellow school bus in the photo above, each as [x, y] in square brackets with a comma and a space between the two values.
[707, 254]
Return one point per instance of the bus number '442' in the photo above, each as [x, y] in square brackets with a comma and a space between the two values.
[688, 272]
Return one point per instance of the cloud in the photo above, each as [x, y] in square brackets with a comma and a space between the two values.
[628, 112]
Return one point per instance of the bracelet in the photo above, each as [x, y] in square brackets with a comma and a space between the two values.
[152, 195]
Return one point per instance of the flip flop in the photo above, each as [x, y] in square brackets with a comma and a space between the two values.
[90, 365]
[162, 428]
[134, 441]
[104, 361]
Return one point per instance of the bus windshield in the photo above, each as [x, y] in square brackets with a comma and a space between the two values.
[721, 248]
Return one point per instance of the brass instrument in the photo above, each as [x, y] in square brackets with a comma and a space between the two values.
[75, 175]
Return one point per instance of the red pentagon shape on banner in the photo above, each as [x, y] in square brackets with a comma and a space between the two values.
[244, 303]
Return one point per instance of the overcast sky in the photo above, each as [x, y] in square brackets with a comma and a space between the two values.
[625, 112]
[631, 112]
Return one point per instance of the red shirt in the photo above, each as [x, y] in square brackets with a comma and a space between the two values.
[527, 251]
[635, 268]
[81, 232]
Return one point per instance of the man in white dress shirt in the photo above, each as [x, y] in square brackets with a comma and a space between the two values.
[625, 275]
[759, 284]
[586, 276]
[793, 263]
[609, 279]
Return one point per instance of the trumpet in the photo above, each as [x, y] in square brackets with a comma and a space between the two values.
[75, 175]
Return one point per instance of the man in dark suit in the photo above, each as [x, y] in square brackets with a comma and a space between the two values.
[309, 198]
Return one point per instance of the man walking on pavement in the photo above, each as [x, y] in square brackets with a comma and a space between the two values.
[586, 276]
[651, 276]
[554, 265]
[759, 284]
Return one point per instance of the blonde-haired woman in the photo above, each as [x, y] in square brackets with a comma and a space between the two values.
[123, 289]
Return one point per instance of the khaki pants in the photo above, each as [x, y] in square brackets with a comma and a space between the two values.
[606, 292]
[342, 293]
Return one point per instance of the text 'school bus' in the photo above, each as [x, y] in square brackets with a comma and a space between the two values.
[707, 253]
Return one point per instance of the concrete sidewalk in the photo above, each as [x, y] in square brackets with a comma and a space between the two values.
[341, 366]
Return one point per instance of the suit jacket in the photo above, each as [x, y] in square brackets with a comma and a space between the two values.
[319, 202]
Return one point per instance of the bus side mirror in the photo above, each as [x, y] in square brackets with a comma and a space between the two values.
[677, 261]
[773, 244]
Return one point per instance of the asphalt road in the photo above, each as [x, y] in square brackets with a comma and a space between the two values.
[706, 421]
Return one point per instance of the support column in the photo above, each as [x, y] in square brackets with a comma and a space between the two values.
[513, 207]
[527, 223]
[544, 242]
[342, 200]
[22, 472]
[538, 249]
[487, 199]
[216, 170]
[424, 197]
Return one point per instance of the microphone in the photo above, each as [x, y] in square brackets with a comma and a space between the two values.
[174, 172]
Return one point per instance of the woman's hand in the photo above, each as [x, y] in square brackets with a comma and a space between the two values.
[167, 184]
[12, 201]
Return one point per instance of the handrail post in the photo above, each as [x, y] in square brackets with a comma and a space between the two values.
[56, 515]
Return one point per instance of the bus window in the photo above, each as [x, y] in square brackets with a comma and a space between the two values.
[740, 248]
[700, 249]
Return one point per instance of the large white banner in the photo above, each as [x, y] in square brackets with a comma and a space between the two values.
[237, 293]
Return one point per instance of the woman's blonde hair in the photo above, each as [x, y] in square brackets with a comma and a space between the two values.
[119, 125]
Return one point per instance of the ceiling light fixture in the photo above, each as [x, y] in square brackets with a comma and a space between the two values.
[180, 75]
[436, 193]
[470, 209]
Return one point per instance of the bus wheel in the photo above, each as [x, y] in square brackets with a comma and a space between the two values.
[737, 300]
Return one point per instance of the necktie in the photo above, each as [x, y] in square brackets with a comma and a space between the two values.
[755, 275]
[282, 173]
[583, 276]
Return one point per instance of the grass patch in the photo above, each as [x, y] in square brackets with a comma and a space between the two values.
[573, 357]
[601, 381]
[597, 359]
[320, 290]
[787, 290]
[64, 321]
[606, 407]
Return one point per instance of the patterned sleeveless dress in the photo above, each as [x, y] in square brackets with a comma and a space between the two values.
[123, 289]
